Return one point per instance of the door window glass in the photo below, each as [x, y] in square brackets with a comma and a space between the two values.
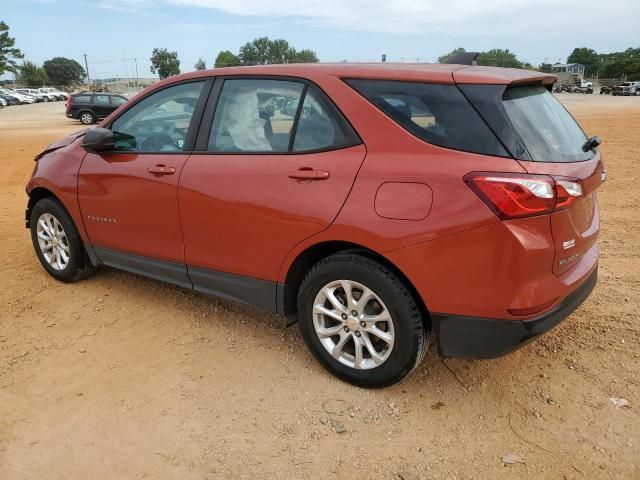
[320, 126]
[101, 99]
[159, 122]
[115, 100]
[255, 116]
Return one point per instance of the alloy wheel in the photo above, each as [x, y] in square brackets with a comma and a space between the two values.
[53, 241]
[353, 324]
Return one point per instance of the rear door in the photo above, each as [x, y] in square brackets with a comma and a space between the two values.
[554, 143]
[102, 105]
[277, 162]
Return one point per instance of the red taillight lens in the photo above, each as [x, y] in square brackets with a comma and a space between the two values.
[514, 195]
[518, 195]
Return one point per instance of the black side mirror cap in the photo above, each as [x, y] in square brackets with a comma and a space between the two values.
[98, 140]
[592, 143]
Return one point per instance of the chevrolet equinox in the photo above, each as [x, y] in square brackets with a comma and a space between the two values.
[374, 205]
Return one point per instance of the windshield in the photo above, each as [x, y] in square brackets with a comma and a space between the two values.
[548, 131]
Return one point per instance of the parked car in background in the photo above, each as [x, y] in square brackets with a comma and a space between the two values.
[626, 89]
[605, 90]
[58, 95]
[394, 202]
[19, 96]
[9, 99]
[41, 97]
[89, 107]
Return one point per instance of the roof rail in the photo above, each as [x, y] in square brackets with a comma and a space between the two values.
[466, 58]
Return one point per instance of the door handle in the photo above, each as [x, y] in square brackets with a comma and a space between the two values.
[308, 174]
[161, 170]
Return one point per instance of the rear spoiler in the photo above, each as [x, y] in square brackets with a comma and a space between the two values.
[466, 58]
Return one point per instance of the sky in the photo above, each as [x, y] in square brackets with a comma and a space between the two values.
[114, 32]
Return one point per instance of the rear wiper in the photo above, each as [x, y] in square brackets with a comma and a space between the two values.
[592, 143]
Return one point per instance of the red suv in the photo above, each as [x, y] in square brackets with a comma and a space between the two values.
[372, 204]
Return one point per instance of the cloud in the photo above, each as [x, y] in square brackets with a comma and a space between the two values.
[455, 17]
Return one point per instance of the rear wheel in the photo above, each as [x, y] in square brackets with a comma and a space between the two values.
[57, 242]
[360, 321]
[87, 118]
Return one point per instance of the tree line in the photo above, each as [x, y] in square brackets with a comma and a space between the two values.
[260, 51]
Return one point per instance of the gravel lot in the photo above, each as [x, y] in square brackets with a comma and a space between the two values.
[123, 377]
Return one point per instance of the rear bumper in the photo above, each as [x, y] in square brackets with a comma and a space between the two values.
[475, 337]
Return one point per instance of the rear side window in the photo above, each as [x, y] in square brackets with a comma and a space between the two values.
[276, 116]
[436, 113]
[255, 116]
[82, 99]
[101, 99]
[548, 131]
[320, 126]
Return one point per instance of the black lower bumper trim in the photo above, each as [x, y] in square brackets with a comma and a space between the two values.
[475, 337]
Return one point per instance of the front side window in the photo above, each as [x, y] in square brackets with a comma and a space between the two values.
[159, 122]
[436, 113]
[255, 116]
[115, 100]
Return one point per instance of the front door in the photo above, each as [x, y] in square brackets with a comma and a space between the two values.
[128, 197]
[279, 164]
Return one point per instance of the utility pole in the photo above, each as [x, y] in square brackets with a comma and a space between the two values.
[86, 66]
[135, 61]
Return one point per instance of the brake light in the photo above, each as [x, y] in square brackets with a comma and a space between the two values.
[69, 102]
[512, 196]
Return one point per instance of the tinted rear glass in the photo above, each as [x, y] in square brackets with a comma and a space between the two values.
[548, 131]
[82, 99]
[436, 113]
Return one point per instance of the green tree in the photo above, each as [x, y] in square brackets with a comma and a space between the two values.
[545, 67]
[587, 57]
[455, 51]
[303, 56]
[8, 53]
[164, 62]
[263, 51]
[31, 75]
[498, 57]
[619, 64]
[255, 52]
[200, 65]
[64, 71]
[226, 59]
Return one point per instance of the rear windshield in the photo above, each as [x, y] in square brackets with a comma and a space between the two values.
[436, 113]
[548, 131]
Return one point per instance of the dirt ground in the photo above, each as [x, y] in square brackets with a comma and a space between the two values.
[120, 377]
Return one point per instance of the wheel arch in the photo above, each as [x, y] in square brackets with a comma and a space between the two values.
[37, 194]
[306, 259]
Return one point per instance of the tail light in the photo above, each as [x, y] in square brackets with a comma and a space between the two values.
[512, 196]
[68, 102]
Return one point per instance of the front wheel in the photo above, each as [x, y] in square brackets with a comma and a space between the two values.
[57, 242]
[360, 321]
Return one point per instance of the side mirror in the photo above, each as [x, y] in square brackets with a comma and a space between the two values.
[98, 140]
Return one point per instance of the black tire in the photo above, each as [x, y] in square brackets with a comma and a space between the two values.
[78, 266]
[87, 118]
[411, 337]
